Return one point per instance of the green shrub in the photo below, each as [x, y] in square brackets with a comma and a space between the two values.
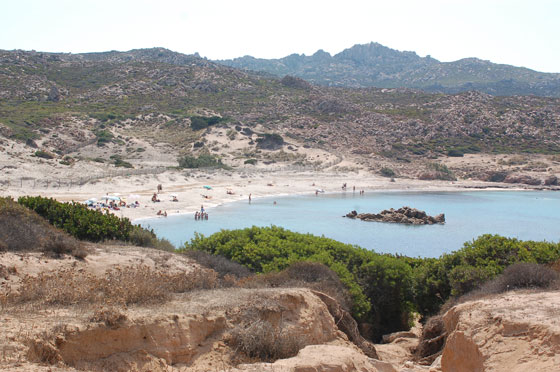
[202, 122]
[24, 230]
[455, 153]
[387, 172]
[384, 289]
[250, 161]
[465, 270]
[367, 276]
[103, 136]
[78, 220]
[44, 154]
[202, 161]
[147, 238]
[95, 226]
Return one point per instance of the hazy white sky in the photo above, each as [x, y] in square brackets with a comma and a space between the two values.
[518, 32]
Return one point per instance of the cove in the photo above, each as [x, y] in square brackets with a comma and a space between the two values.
[526, 215]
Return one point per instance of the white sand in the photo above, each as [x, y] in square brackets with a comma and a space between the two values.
[190, 190]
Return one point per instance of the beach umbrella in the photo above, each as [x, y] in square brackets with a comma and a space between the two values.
[207, 187]
[91, 201]
[173, 195]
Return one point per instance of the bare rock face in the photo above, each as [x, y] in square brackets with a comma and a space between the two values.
[514, 332]
[405, 215]
[321, 358]
[522, 178]
[551, 181]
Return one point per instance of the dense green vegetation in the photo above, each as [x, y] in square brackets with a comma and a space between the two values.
[385, 289]
[87, 224]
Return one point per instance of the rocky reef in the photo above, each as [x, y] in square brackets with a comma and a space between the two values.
[405, 215]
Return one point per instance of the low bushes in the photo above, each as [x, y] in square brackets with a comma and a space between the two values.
[87, 224]
[202, 161]
[24, 230]
[78, 220]
[384, 289]
[367, 276]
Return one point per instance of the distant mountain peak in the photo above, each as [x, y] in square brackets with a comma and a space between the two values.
[375, 65]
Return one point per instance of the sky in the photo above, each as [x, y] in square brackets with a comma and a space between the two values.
[516, 32]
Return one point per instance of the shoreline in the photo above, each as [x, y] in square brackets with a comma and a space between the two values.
[190, 190]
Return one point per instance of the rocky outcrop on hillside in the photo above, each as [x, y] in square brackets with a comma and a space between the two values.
[374, 65]
[513, 332]
[404, 215]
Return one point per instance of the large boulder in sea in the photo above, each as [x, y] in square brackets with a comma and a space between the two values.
[404, 215]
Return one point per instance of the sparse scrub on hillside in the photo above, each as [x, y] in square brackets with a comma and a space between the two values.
[122, 286]
[438, 171]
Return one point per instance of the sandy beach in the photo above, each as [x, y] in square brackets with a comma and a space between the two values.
[189, 188]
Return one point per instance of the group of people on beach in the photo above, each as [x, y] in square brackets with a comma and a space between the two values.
[202, 215]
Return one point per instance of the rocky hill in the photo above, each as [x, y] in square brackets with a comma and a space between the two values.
[127, 108]
[374, 65]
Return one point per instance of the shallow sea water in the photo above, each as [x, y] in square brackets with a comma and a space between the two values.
[527, 215]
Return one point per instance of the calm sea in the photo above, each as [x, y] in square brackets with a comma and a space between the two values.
[527, 215]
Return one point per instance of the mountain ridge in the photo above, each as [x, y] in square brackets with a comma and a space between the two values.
[375, 65]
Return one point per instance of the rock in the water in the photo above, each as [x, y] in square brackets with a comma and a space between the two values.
[405, 215]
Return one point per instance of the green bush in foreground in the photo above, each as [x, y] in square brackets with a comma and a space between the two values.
[378, 284]
[24, 230]
[385, 289]
[87, 224]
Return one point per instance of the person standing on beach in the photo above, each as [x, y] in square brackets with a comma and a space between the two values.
[249, 198]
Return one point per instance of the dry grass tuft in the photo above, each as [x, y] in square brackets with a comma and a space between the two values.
[227, 270]
[262, 341]
[120, 286]
[432, 340]
[111, 316]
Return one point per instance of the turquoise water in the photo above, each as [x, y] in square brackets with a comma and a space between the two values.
[533, 215]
